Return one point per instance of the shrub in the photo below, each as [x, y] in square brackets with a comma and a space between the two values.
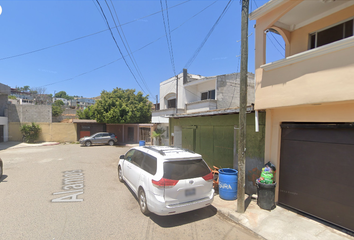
[57, 110]
[30, 133]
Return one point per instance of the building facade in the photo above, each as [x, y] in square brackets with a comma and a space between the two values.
[190, 93]
[309, 101]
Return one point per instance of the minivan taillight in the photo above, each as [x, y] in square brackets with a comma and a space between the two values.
[209, 177]
[163, 182]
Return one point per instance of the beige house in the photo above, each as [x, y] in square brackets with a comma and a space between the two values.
[309, 101]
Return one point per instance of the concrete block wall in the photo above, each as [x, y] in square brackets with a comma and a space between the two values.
[228, 90]
[30, 113]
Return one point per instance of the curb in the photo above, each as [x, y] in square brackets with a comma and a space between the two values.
[51, 144]
[233, 218]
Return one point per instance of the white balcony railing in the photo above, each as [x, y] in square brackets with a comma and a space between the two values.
[201, 106]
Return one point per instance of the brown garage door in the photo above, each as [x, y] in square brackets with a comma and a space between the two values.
[316, 169]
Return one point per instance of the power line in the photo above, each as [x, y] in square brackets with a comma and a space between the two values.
[97, 68]
[168, 37]
[274, 45]
[131, 53]
[191, 60]
[131, 56]
[118, 46]
[278, 42]
[89, 35]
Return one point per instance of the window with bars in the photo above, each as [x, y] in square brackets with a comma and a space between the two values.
[171, 103]
[208, 95]
[331, 34]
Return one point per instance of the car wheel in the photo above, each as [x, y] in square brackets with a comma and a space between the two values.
[0, 171]
[142, 202]
[120, 174]
[87, 143]
[111, 143]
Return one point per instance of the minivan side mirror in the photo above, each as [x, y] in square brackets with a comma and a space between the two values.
[121, 157]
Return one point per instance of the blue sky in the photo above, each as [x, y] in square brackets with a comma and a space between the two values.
[87, 66]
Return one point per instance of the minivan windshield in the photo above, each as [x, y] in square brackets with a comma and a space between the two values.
[178, 170]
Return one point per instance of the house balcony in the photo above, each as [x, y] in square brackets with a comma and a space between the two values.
[160, 116]
[320, 75]
[201, 106]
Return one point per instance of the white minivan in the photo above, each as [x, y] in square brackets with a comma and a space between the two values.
[167, 180]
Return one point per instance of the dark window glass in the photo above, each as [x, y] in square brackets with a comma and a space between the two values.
[129, 155]
[138, 158]
[348, 29]
[150, 164]
[178, 170]
[212, 94]
[312, 40]
[204, 96]
[171, 103]
[208, 95]
[330, 35]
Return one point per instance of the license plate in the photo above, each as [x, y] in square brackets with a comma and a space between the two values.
[190, 192]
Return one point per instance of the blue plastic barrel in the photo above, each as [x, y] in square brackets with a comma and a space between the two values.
[142, 143]
[228, 183]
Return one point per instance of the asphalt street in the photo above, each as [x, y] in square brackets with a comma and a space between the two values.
[71, 192]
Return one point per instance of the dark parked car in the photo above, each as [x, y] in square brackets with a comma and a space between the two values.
[99, 138]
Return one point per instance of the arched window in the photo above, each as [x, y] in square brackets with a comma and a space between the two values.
[170, 100]
[275, 46]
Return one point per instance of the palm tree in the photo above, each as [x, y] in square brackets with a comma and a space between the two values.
[158, 134]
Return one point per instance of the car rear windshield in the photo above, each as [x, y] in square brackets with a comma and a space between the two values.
[178, 170]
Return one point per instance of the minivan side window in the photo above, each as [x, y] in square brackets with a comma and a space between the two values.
[138, 158]
[129, 155]
[150, 164]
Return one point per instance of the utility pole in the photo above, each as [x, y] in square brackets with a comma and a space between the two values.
[243, 108]
[176, 94]
[157, 101]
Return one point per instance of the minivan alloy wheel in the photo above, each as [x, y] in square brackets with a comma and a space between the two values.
[120, 175]
[142, 202]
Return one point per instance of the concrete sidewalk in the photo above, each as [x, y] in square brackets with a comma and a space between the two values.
[279, 223]
[12, 144]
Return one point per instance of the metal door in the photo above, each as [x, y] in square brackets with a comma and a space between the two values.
[316, 167]
[188, 138]
[130, 134]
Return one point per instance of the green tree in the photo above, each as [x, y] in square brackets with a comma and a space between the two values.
[85, 114]
[122, 106]
[30, 133]
[58, 103]
[57, 108]
[26, 88]
[62, 94]
[12, 97]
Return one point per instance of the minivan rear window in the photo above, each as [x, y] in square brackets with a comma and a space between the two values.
[178, 170]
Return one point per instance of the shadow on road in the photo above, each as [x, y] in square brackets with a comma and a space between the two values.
[3, 178]
[6, 145]
[184, 218]
[179, 219]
